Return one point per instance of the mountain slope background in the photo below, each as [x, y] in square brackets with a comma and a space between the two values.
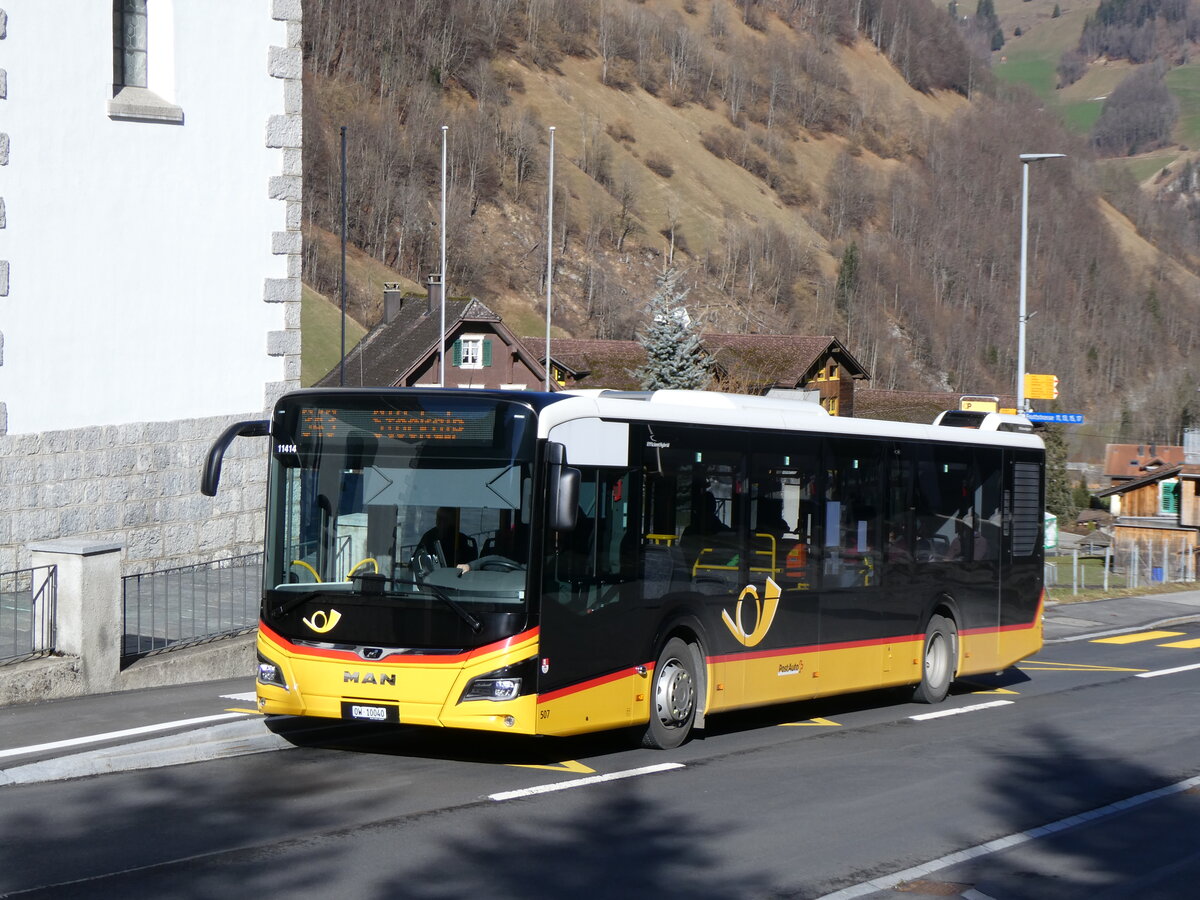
[810, 166]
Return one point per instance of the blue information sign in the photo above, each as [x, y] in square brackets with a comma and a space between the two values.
[1061, 418]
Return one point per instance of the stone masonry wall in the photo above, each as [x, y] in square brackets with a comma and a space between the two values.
[138, 484]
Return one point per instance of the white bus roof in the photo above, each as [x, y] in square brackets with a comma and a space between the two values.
[745, 411]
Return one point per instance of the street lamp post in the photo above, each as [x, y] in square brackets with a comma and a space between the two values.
[1026, 159]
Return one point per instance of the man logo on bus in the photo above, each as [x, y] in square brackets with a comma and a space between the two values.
[764, 613]
[322, 621]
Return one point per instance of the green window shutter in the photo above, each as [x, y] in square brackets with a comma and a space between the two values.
[1170, 498]
[487, 353]
[456, 356]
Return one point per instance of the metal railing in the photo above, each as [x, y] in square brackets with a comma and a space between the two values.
[28, 601]
[1132, 564]
[191, 604]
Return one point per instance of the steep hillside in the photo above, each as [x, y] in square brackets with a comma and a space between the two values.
[807, 170]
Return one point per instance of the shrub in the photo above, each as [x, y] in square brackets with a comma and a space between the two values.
[659, 166]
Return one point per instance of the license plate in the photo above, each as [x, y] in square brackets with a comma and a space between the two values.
[370, 712]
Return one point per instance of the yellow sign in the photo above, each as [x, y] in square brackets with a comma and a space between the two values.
[1041, 387]
[979, 404]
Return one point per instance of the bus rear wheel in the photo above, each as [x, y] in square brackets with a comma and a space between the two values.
[675, 697]
[941, 652]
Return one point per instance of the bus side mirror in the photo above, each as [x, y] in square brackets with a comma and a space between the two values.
[562, 489]
[210, 475]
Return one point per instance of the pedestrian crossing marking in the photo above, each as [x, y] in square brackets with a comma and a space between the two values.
[1139, 637]
[1184, 645]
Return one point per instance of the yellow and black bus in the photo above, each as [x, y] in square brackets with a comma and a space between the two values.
[559, 563]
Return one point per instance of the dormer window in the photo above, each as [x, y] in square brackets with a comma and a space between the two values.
[471, 351]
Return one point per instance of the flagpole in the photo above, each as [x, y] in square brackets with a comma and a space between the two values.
[442, 332]
[549, 251]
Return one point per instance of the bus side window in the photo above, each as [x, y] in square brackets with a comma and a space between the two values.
[853, 505]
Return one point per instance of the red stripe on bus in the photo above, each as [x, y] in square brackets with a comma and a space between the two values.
[589, 684]
[811, 648]
[851, 645]
[431, 659]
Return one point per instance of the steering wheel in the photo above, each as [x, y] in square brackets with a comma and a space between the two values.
[497, 564]
[423, 563]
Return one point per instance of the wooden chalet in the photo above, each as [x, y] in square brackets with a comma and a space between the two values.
[402, 350]
[1159, 515]
[820, 367]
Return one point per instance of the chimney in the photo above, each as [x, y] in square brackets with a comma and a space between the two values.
[393, 300]
[433, 284]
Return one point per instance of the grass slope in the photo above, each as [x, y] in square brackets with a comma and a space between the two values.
[321, 335]
[1032, 58]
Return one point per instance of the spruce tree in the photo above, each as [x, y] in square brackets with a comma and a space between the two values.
[674, 356]
[1060, 499]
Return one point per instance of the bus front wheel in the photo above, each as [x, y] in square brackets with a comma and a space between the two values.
[675, 697]
[941, 652]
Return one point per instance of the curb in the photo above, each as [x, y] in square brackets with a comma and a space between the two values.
[239, 738]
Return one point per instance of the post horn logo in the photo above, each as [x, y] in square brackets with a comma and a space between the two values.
[764, 613]
[322, 621]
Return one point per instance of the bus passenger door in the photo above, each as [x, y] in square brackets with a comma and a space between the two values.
[590, 615]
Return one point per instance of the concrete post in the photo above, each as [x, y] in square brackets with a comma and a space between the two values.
[89, 605]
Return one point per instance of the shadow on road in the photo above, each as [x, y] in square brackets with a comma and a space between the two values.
[620, 846]
[1146, 850]
[158, 833]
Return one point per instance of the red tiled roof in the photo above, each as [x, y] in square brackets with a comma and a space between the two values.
[1136, 460]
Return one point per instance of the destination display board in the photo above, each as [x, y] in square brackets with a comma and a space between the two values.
[411, 425]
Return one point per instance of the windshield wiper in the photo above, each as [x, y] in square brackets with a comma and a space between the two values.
[282, 609]
[476, 625]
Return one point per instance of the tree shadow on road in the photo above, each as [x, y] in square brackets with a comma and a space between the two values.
[618, 845]
[1059, 793]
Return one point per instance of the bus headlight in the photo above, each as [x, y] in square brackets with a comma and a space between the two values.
[503, 684]
[270, 673]
[493, 689]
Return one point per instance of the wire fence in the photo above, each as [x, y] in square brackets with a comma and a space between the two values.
[28, 600]
[191, 604]
[1130, 564]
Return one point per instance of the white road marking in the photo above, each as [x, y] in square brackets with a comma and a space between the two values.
[247, 697]
[114, 735]
[1167, 671]
[942, 713]
[888, 882]
[583, 782]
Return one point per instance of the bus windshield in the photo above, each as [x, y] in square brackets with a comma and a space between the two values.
[404, 500]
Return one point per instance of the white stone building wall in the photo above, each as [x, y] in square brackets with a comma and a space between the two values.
[136, 484]
[149, 272]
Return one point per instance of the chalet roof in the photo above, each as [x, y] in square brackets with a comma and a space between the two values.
[920, 407]
[777, 360]
[1135, 460]
[1182, 471]
[391, 350]
[608, 364]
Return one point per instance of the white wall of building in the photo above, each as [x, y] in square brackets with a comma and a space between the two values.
[151, 266]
